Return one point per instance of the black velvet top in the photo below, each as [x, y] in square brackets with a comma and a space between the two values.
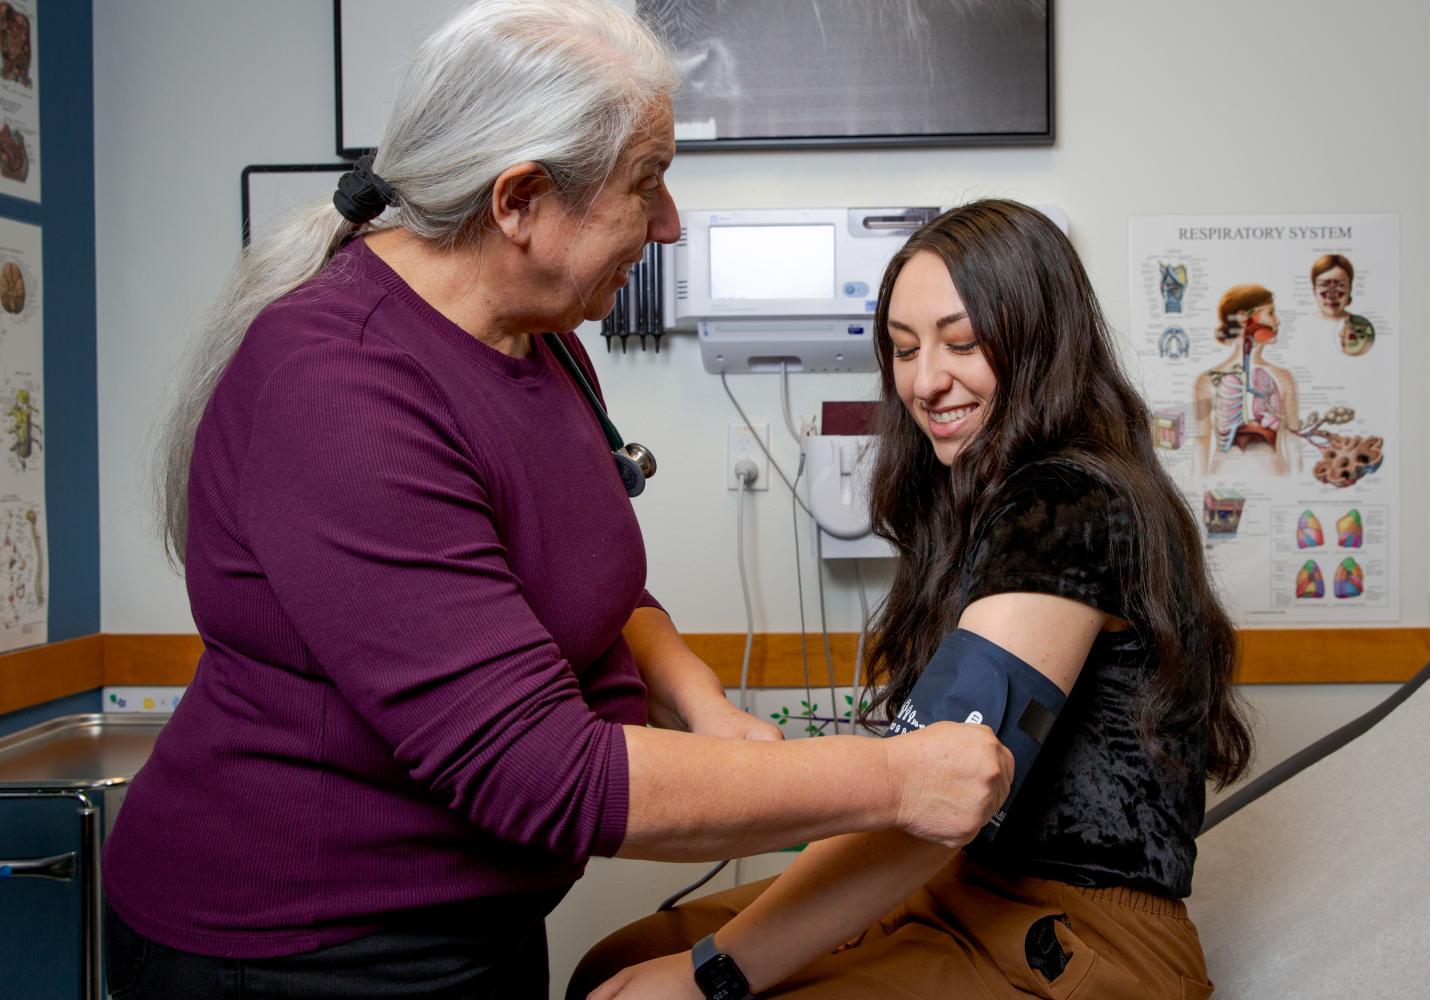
[1096, 809]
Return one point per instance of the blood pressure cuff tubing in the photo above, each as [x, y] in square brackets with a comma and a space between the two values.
[971, 679]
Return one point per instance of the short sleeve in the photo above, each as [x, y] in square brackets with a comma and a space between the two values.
[1053, 533]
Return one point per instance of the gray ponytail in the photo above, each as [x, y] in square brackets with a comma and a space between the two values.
[560, 82]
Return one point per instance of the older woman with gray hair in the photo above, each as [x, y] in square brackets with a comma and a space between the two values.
[429, 657]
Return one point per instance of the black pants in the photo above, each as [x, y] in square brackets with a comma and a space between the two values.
[468, 952]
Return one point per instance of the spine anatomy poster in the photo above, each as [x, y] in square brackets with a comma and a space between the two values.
[1269, 352]
[24, 568]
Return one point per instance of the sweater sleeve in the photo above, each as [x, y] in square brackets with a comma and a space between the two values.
[365, 506]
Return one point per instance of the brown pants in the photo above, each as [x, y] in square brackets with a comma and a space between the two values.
[969, 933]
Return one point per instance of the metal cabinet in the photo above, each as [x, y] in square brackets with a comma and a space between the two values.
[57, 780]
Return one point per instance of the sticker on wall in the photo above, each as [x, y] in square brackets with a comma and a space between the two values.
[141, 699]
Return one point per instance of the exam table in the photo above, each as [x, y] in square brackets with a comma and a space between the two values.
[1311, 882]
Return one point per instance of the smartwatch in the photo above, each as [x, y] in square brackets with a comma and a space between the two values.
[716, 973]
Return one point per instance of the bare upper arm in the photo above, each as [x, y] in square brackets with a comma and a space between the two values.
[1052, 634]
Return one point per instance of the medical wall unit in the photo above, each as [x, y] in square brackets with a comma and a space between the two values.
[766, 288]
[772, 290]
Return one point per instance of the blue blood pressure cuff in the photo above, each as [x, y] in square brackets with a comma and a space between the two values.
[971, 679]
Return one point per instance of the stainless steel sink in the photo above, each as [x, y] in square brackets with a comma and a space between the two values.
[91, 751]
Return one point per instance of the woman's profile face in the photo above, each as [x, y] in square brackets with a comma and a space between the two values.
[939, 369]
[590, 249]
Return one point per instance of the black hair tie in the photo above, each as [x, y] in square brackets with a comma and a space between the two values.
[362, 195]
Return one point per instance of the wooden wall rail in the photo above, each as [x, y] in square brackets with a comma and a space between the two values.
[43, 673]
[1269, 656]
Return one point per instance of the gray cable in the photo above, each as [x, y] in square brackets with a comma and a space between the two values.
[745, 591]
[863, 635]
[824, 628]
[784, 403]
[799, 592]
[671, 901]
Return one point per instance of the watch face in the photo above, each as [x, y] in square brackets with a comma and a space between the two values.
[721, 979]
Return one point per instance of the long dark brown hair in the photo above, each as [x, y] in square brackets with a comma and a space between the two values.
[1061, 394]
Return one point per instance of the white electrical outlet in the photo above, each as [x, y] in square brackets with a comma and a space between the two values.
[742, 446]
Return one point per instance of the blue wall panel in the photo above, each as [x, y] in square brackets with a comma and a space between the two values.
[66, 217]
[39, 919]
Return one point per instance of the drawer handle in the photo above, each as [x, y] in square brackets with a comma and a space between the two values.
[59, 867]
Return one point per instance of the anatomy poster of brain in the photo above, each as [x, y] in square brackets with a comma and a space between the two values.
[1286, 399]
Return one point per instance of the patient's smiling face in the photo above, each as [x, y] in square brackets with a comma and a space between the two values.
[940, 372]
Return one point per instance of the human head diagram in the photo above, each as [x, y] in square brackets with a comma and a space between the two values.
[1331, 278]
[1247, 309]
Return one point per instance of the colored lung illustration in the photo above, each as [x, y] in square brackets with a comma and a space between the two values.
[1350, 578]
[1350, 531]
[1308, 531]
[1309, 581]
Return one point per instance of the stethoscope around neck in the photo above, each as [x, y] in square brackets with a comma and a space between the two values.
[634, 461]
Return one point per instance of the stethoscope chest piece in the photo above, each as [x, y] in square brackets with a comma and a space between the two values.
[636, 465]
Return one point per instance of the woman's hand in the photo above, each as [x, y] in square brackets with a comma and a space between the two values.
[668, 978]
[682, 691]
[949, 780]
[717, 717]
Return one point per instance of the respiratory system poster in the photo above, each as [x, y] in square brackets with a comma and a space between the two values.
[1268, 348]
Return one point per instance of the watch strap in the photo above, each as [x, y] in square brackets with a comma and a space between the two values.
[716, 973]
[703, 951]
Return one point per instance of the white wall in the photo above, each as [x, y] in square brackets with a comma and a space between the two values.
[1235, 107]
[1223, 106]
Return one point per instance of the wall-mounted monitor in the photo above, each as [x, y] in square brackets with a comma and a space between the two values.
[796, 73]
[780, 73]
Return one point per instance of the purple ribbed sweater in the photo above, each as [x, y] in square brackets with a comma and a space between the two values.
[410, 558]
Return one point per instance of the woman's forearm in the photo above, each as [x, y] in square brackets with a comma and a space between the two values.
[698, 798]
[678, 683]
[694, 797]
[833, 892]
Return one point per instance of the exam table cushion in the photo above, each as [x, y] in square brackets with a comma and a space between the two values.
[1317, 888]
